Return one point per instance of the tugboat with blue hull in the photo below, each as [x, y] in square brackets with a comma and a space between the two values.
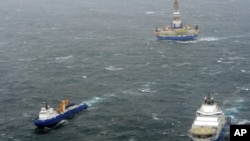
[210, 123]
[177, 31]
[48, 117]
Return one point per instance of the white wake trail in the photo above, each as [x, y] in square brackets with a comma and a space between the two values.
[96, 100]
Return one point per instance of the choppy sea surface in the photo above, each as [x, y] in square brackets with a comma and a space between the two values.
[105, 53]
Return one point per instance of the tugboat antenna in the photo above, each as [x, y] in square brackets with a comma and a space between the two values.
[46, 104]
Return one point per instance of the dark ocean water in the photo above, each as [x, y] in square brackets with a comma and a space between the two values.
[105, 53]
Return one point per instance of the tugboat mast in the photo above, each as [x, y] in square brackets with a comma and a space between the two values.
[176, 23]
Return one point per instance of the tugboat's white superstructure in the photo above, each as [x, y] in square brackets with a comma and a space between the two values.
[210, 123]
[47, 112]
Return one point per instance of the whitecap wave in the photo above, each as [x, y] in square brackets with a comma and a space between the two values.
[202, 39]
[63, 58]
[132, 92]
[221, 60]
[112, 68]
[244, 88]
[240, 100]
[148, 87]
[208, 39]
[236, 58]
[242, 121]
[62, 122]
[207, 71]
[182, 64]
[145, 90]
[94, 101]
[26, 59]
[239, 121]
[150, 12]
[243, 70]
[230, 111]
[186, 42]
[155, 116]
[234, 110]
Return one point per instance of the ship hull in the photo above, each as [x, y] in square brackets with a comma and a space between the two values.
[177, 38]
[224, 130]
[222, 133]
[53, 121]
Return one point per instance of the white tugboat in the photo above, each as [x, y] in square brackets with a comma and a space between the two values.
[210, 123]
